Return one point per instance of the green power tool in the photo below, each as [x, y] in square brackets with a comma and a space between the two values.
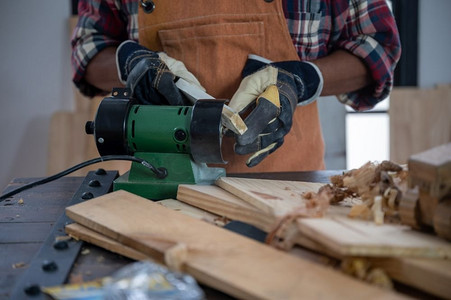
[179, 141]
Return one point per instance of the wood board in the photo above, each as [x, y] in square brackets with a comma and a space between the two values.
[274, 197]
[419, 120]
[218, 201]
[351, 237]
[345, 236]
[192, 211]
[216, 257]
[80, 232]
[430, 275]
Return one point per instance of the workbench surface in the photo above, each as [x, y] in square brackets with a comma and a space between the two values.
[27, 219]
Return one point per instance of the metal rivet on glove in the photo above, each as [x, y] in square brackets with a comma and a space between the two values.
[148, 6]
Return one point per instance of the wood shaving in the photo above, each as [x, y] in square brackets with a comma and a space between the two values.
[376, 208]
[19, 265]
[360, 211]
[63, 238]
[284, 231]
[176, 256]
[76, 278]
[220, 221]
[362, 269]
[386, 180]
[379, 277]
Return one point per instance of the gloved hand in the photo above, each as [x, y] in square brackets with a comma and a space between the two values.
[151, 76]
[271, 91]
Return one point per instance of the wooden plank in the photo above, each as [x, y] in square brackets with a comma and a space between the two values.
[41, 207]
[274, 197]
[216, 200]
[80, 232]
[192, 211]
[14, 260]
[24, 232]
[345, 236]
[350, 237]
[83, 233]
[216, 257]
[419, 120]
[417, 272]
[430, 275]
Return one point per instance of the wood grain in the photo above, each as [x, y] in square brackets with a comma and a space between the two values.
[337, 232]
[274, 197]
[221, 259]
[83, 233]
[190, 210]
[430, 275]
[419, 120]
[214, 199]
[350, 237]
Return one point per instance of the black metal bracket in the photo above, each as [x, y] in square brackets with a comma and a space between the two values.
[53, 262]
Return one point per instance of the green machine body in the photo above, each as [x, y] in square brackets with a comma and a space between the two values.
[177, 140]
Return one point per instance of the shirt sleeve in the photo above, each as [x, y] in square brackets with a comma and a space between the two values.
[101, 24]
[368, 30]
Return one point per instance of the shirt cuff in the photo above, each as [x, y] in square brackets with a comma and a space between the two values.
[381, 66]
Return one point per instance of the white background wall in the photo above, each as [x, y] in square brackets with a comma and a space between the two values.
[35, 82]
[36, 76]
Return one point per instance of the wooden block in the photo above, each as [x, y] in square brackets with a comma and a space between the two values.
[216, 257]
[274, 197]
[431, 170]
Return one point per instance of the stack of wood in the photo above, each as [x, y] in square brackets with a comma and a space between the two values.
[296, 215]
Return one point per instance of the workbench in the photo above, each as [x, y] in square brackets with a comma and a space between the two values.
[27, 219]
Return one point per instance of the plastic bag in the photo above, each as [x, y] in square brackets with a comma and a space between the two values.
[147, 280]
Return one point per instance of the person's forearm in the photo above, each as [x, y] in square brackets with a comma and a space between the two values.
[102, 72]
[342, 72]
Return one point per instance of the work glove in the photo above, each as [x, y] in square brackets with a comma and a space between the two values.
[270, 93]
[150, 75]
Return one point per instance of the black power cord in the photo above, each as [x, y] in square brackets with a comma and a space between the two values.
[159, 172]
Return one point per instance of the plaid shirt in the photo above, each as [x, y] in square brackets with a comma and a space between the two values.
[365, 28]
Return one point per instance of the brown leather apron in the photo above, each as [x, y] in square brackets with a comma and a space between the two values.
[213, 39]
